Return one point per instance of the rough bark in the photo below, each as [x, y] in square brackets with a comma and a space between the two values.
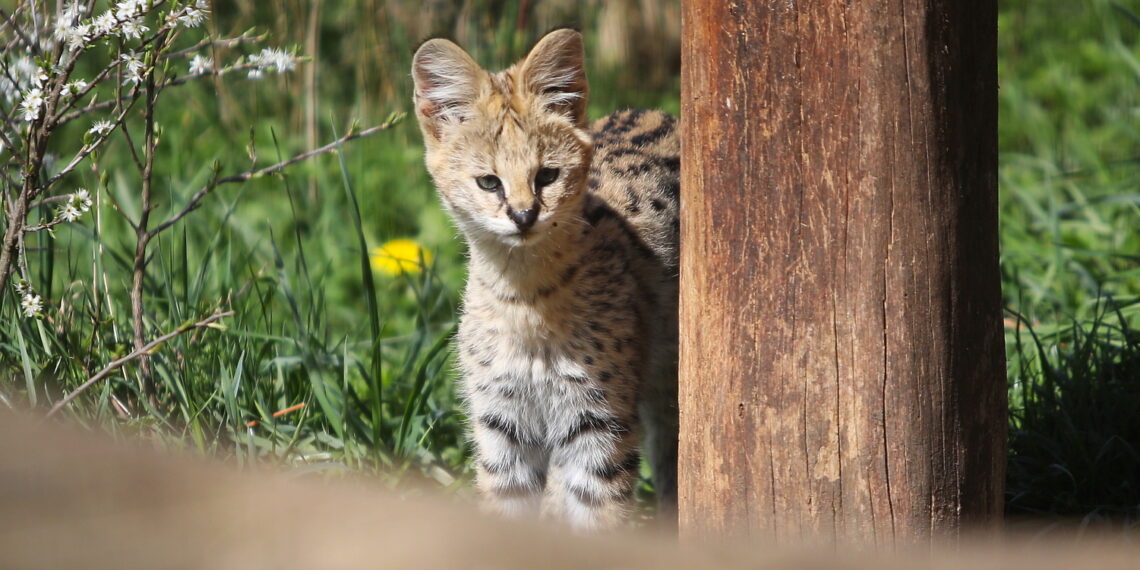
[842, 362]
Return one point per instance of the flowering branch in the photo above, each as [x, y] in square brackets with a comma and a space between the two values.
[40, 91]
[64, 115]
[246, 37]
[71, 113]
[78, 203]
[255, 68]
[101, 130]
[9, 22]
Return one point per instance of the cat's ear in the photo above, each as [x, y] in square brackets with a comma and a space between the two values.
[555, 71]
[447, 82]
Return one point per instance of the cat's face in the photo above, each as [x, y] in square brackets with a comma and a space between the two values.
[508, 152]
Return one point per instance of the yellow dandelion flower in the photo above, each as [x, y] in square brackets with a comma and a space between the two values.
[400, 256]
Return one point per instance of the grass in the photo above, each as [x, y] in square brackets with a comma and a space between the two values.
[1069, 150]
[361, 358]
[1075, 442]
[1070, 214]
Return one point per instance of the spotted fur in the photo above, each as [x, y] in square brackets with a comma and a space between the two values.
[568, 338]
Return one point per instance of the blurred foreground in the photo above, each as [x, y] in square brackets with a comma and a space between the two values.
[75, 500]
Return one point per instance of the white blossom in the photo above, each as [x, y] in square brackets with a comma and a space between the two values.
[199, 65]
[62, 26]
[31, 304]
[283, 62]
[193, 16]
[101, 128]
[128, 9]
[68, 18]
[76, 87]
[83, 197]
[21, 73]
[77, 36]
[72, 12]
[77, 204]
[104, 24]
[30, 107]
[271, 59]
[69, 213]
[132, 29]
[134, 67]
[68, 28]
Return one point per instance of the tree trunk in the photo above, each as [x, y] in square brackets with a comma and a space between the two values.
[842, 362]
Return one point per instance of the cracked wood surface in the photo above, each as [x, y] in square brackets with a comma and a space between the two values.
[842, 366]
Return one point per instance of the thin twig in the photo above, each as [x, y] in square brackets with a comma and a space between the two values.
[87, 149]
[192, 204]
[77, 112]
[142, 236]
[44, 226]
[48, 200]
[222, 43]
[9, 20]
[67, 110]
[137, 353]
[72, 112]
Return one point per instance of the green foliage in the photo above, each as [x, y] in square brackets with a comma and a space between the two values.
[1070, 211]
[1075, 435]
[368, 353]
[365, 354]
[1070, 146]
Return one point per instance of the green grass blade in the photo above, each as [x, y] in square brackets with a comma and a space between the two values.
[415, 402]
[376, 395]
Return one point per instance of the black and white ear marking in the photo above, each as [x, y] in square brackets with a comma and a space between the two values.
[446, 84]
[555, 71]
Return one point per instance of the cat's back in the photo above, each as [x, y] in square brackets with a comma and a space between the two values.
[636, 173]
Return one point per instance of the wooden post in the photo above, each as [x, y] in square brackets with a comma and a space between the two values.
[842, 362]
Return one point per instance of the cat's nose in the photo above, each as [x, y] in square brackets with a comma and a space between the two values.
[524, 219]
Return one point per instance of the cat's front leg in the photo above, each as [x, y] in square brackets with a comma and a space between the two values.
[511, 458]
[593, 464]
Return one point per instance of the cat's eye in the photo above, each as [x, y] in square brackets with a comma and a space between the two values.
[489, 182]
[545, 176]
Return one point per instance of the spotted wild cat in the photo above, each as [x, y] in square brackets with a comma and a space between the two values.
[568, 338]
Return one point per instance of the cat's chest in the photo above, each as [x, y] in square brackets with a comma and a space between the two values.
[571, 336]
[538, 338]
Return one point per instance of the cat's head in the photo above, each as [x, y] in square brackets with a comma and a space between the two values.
[508, 151]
